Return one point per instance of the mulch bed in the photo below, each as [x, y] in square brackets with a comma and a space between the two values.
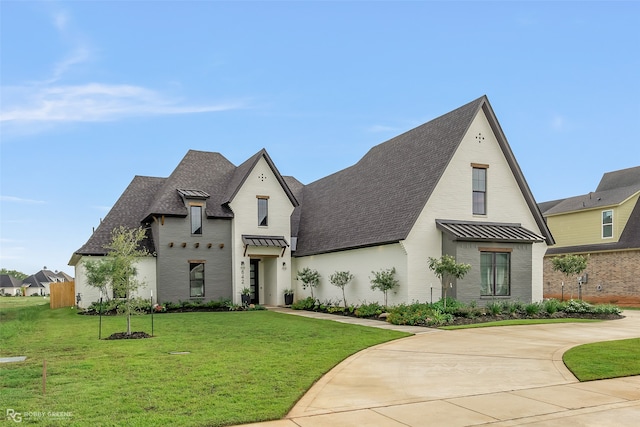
[125, 336]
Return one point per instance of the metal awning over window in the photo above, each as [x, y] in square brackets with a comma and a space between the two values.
[264, 241]
[487, 231]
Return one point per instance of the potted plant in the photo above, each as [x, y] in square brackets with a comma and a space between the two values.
[288, 296]
[246, 296]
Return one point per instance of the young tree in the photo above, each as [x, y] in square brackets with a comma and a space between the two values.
[118, 267]
[569, 265]
[98, 275]
[446, 269]
[341, 279]
[384, 281]
[309, 278]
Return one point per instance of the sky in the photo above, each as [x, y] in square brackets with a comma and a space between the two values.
[93, 93]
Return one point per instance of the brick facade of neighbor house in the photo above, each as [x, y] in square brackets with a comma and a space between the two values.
[612, 278]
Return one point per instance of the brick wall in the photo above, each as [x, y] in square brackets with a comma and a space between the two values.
[614, 277]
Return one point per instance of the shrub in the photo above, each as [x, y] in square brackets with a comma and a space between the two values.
[512, 307]
[447, 305]
[369, 310]
[551, 306]
[494, 308]
[411, 314]
[606, 309]
[439, 318]
[577, 306]
[532, 309]
[308, 303]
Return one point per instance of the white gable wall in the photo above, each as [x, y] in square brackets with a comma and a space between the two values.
[452, 199]
[262, 181]
[360, 263]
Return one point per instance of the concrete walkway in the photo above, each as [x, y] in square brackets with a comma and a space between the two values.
[507, 376]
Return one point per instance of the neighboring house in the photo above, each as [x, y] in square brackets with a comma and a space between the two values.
[605, 226]
[38, 283]
[451, 186]
[9, 285]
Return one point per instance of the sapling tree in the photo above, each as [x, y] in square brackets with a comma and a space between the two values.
[309, 278]
[569, 265]
[384, 280]
[341, 279]
[118, 267]
[446, 269]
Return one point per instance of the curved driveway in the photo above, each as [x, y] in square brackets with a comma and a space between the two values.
[503, 376]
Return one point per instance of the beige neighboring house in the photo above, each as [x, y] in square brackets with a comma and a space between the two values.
[450, 186]
[605, 226]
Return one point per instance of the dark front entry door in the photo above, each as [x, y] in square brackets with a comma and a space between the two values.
[254, 282]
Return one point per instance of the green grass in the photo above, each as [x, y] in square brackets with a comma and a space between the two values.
[242, 367]
[17, 302]
[519, 322]
[609, 359]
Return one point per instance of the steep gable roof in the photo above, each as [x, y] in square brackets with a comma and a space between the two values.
[378, 199]
[205, 171]
[241, 172]
[620, 178]
[128, 211]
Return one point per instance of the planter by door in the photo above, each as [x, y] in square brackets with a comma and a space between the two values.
[246, 299]
[288, 299]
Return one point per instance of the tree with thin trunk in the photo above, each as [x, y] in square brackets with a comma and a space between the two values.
[446, 269]
[569, 265]
[309, 278]
[341, 279]
[384, 280]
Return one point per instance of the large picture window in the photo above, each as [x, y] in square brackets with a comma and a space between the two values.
[495, 268]
[196, 279]
[263, 211]
[196, 219]
[607, 224]
[479, 190]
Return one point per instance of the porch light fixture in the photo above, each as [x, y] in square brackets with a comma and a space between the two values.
[209, 245]
[221, 245]
[284, 265]
[171, 244]
[196, 245]
[184, 244]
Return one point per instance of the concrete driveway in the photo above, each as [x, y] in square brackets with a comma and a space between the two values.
[505, 376]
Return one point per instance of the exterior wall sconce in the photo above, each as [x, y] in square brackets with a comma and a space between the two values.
[171, 244]
[284, 265]
[184, 245]
[208, 245]
[221, 245]
[196, 245]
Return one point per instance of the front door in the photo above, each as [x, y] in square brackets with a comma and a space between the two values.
[254, 281]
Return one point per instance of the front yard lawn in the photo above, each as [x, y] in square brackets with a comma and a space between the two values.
[241, 366]
[601, 360]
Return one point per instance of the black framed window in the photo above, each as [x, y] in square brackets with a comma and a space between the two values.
[479, 191]
[495, 270]
[196, 279]
[263, 211]
[196, 219]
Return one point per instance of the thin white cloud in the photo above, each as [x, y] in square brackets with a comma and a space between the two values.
[93, 102]
[20, 200]
[381, 128]
[558, 123]
[38, 106]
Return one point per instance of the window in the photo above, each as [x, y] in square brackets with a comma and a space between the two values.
[196, 279]
[607, 224]
[480, 189]
[196, 219]
[263, 211]
[496, 275]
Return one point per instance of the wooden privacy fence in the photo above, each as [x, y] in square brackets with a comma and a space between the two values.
[62, 294]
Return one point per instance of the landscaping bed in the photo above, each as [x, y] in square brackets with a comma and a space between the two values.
[453, 313]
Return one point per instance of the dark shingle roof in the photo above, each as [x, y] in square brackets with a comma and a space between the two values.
[378, 199]
[208, 172]
[487, 231]
[128, 211]
[619, 179]
[7, 281]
